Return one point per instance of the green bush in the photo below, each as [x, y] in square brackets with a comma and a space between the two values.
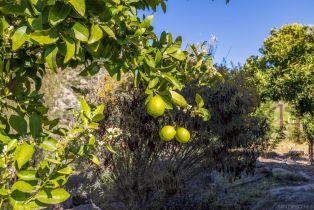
[144, 172]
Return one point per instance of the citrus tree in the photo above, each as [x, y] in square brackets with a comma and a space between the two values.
[36, 36]
[285, 71]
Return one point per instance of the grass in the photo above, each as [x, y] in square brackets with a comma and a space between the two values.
[285, 146]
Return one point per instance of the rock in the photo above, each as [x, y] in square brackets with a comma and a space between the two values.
[305, 176]
[264, 170]
[280, 190]
[295, 153]
[289, 161]
[285, 175]
[87, 207]
[260, 164]
[290, 197]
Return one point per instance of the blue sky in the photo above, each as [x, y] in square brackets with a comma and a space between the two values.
[240, 26]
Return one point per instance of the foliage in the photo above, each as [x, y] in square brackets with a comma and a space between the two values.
[236, 120]
[285, 70]
[145, 172]
[39, 36]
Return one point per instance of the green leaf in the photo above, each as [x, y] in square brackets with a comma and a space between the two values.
[92, 140]
[58, 13]
[51, 57]
[70, 47]
[149, 61]
[19, 124]
[35, 125]
[50, 196]
[12, 145]
[10, 9]
[23, 154]
[178, 99]
[19, 38]
[36, 23]
[199, 101]
[152, 83]
[204, 113]
[67, 170]
[90, 70]
[137, 78]
[23, 187]
[108, 31]
[17, 198]
[176, 46]
[96, 34]
[179, 55]
[85, 107]
[34, 205]
[98, 114]
[4, 138]
[147, 22]
[80, 32]
[93, 125]
[94, 159]
[79, 6]
[4, 191]
[49, 144]
[167, 99]
[44, 37]
[174, 81]
[110, 149]
[28, 175]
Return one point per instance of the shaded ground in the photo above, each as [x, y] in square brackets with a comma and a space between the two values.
[278, 183]
[268, 190]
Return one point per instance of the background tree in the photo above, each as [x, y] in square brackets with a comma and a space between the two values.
[285, 71]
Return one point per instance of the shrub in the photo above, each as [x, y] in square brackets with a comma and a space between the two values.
[147, 173]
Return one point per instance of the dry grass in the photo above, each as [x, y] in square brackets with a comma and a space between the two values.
[286, 146]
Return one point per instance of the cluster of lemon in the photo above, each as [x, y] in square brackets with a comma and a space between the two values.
[156, 107]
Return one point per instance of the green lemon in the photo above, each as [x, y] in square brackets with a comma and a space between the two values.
[183, 135]
[167, 133]
[156, 106]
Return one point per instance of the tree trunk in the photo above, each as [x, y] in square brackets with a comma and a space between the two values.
[311, 151]
[280, 115]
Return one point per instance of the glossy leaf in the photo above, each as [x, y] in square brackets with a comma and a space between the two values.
[70, 49]
[44, 37]
[58, 13]
[108, 31]
[23, 154]
[81, 32]
[174, 81]
[79, 6]
[51, 57]
[96, 34]
[19, 38]
[19, 124]
[12, 145]
[98, 114]
[178, 99]
[90, 70]
[85, 107]
[199, 101]
[35, 125]
[49, 144]
[53, 196]
[23, 187]
[28, 175]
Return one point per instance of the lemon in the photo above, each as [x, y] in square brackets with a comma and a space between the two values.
[167, 133]
[156, 106]
[183, 135]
